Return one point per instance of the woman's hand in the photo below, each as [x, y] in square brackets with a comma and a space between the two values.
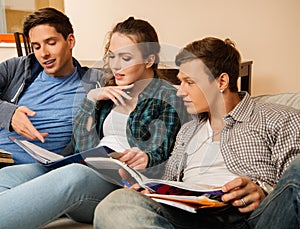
[114, 93]
[135, 158]
[243, 193]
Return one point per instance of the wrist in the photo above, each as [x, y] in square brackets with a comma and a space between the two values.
[265, 186]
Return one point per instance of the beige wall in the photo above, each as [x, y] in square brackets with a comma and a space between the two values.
[266, 32]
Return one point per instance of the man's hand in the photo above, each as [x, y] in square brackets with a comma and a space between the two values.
[23, 126]
[243, 193]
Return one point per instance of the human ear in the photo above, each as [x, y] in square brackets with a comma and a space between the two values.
[223, 82]
[150, 61]
[71, 40]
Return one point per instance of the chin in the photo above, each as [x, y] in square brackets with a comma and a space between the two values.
[191, 111]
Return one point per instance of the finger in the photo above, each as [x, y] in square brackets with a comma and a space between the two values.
[126, 95]
[127, 155]
[135, 186]
[26, 110]
[233, 184]
[248, 208]
[118, 94]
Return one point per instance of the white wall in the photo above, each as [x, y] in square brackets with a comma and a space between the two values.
[266, 32]
[27, 5]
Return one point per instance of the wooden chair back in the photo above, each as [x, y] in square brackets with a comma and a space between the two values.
[19, 39]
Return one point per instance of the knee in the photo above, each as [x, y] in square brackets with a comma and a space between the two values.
[73, 172]
[111, 203]
[73, 176]
[115, 198]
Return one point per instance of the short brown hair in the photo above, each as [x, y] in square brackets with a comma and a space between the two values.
[51, 17]
[219, 57]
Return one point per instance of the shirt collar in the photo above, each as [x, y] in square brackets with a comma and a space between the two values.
[242, 111]
[151, 88]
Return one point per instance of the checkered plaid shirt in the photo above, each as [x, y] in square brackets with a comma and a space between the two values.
[259, 141]
[152, 126]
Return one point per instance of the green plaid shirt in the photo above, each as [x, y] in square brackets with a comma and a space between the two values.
[152, 126]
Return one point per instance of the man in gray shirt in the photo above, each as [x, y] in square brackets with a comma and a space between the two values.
[40, 92]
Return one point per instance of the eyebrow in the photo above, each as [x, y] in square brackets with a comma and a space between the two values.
[46, 40]
[119, 53]
[184, 77]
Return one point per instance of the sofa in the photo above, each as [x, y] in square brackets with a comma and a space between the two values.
[289, 99]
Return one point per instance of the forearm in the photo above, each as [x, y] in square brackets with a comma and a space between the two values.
[6, 112]
[85, 133]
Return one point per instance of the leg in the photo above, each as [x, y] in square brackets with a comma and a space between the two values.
[135, 210]
[13, 176]
[281, 208]
[72, 189]
[130, 208]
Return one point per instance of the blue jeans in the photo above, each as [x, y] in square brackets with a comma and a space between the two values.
[32, 196]
[134, 210]
[281, 209]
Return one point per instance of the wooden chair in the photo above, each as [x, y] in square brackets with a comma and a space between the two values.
[19, 39]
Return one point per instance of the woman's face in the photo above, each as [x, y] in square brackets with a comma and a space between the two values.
[125, 60]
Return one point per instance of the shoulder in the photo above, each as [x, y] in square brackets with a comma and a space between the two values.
[14, 62]
[275, 117]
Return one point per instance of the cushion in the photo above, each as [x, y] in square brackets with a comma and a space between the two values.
[288, 99]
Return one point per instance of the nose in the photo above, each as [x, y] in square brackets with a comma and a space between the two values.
[181, 92]
[44, 51]
[115, 64]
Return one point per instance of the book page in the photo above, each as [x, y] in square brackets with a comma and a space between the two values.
[187, 203]
[199, 201]
[181, 188]
[114, 171]
[49, 156]
[5, 154]
[179, 205]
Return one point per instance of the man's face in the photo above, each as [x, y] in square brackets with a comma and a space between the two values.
[52, 51]
[196, 89]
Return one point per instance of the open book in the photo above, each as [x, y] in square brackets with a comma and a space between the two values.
[53, 160]
[179, 194]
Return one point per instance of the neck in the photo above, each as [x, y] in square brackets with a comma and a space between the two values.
[225, 103]
[231, 99]
[141, 84]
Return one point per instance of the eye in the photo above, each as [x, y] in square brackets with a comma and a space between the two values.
[52, 43]
[36, 47]
[126, 58]
[190, 82]
[110, 56]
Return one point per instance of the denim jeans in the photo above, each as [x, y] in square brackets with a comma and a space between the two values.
[281, 208]
[131, 209]
[32, 196]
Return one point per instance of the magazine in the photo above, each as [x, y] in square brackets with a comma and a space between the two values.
[187, 203]
[179, 194]
[53, 160]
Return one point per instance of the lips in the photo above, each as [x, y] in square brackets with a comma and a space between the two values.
[49, 63]
[119, 76]
[186, 103]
